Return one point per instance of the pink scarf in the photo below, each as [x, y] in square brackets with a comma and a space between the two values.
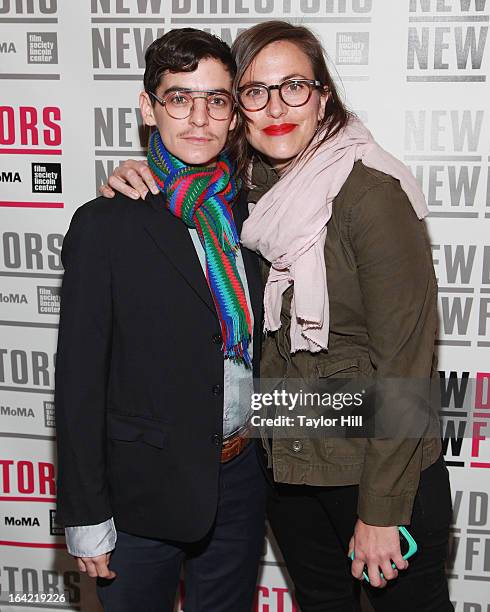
[288, 226]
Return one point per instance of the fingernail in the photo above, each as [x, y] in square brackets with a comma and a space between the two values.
[135, 196]
[154, 190]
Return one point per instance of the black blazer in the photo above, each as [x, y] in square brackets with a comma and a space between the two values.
[139, 372]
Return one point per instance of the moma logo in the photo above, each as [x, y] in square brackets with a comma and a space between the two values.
[10, 177]
[118, 133]
[447, 153]
[13, 298]
[447, 40]
[18, 411]
[23, 521]
[7, 47]
[463, 272]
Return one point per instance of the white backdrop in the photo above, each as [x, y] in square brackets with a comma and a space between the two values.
[70, 71]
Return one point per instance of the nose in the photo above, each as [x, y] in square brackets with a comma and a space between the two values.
[276, 107]
[199, 113]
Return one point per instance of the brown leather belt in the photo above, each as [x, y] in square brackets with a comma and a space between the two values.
[233, 447]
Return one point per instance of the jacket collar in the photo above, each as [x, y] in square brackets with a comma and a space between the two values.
[172, 237]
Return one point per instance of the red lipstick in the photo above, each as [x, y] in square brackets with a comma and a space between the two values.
[279, 130]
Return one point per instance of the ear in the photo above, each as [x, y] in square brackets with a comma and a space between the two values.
[324, 95]
[146, 109]
[232, 125]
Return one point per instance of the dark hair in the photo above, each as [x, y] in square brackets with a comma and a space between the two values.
[181, 50]
[245, 49]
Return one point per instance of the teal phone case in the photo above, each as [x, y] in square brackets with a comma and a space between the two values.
[412, 549]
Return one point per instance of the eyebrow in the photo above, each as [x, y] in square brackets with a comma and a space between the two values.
[286, 78]
[184, 89]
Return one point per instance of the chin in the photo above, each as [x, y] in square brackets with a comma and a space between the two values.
[197, 158]
[282, 154]
[202, 160]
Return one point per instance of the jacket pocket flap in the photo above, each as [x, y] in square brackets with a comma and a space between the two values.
[132, 429]
[326, 369]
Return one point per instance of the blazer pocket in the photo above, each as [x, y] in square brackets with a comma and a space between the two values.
[134, 429]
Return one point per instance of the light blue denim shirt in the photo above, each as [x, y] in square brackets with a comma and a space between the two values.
[94, 540]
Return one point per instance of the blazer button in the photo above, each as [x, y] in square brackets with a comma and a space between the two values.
[297, 446]
[217, 439]
[217, 389]
[217, 339]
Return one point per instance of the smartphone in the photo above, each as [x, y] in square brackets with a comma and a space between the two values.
[408, 547]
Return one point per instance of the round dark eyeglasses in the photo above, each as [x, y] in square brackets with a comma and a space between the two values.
[179, 104]
[293, 92]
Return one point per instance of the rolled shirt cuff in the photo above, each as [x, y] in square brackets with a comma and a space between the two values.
[91, 540]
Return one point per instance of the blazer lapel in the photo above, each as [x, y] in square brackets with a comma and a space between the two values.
[172, 237]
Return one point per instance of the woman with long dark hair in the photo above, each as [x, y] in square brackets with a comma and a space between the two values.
[350, 291]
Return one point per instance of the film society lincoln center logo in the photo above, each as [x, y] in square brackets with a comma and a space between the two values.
[352, 48]
[42, 48]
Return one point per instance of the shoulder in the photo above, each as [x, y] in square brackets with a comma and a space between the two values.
[100, 208]
[370, 196]
[362, 181]
[109, 214]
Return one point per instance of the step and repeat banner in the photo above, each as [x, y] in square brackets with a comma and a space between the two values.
[416, 71]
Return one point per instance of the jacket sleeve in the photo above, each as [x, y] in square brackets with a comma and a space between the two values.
[399, 293]
[82, 364]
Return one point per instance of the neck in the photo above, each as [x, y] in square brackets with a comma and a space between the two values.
[280, 166]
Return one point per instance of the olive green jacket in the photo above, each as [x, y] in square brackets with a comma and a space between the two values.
[383, 320]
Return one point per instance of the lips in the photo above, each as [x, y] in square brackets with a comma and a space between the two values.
[197, 139]
[279, 130]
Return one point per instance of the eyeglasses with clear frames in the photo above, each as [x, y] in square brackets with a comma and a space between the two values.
[179, 104]
[293, 92]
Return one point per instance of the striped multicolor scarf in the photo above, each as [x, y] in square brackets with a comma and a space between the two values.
[201, 197]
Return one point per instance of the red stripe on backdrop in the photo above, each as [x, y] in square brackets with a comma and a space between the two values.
[7, 204]
[28, 499]
[28, 151]
[31, 544]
